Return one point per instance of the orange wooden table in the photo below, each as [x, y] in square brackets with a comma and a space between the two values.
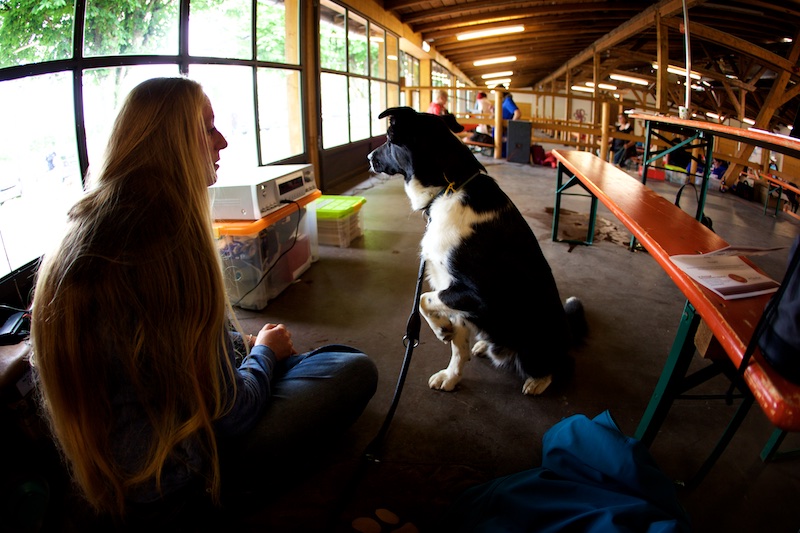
[665, 230]
[777, 143]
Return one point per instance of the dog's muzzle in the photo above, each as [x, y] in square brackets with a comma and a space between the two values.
[375, 164]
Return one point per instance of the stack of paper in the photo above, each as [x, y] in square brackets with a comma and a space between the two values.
[726, 273]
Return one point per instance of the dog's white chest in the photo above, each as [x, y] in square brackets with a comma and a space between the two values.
[451, 222]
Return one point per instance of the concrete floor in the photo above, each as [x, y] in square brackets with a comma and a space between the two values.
[440, 443]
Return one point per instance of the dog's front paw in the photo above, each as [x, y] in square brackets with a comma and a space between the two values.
[536, 386]
[443, 380]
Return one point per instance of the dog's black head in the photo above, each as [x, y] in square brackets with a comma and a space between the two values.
[423, 149]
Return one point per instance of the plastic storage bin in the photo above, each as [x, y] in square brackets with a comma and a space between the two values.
[261, 258]
[339, 219]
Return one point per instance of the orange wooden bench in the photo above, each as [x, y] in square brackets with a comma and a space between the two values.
[665, 230]
[478, 144]
[774, 184]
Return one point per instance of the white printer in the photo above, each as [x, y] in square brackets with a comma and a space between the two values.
[250, 194]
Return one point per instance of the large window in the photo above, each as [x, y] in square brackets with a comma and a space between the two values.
[360, 74]
[39, 171]
[411, 78]
[66, 88]
[441, 77]
[465, 98]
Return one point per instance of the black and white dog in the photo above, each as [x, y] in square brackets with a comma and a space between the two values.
[491, 283]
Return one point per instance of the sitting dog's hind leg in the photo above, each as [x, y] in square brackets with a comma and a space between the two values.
[437, 315]
[536, 386]
[480, 348]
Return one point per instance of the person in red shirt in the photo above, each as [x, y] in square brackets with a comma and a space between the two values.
[439, 104]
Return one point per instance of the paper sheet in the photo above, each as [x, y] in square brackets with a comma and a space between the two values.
[727, 275]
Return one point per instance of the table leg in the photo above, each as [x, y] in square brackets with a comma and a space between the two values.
[669, 384]
[701, 205]
[766, 198]
[770, 450]
[560, 188]
[723, 441]
[557, 207]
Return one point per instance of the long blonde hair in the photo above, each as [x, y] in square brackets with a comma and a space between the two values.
[134, 294]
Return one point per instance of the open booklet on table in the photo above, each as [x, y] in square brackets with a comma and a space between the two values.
[726, 273]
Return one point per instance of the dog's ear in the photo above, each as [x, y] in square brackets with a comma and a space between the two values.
[452, 123]
[398, 111]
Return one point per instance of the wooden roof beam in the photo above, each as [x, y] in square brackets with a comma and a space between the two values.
[646, 19]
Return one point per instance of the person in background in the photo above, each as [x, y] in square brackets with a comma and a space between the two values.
[133, 335]
[510, 109]
[773, 165]
[484, 107]
[718, 168]
[623, 148]
[439, 104]
[679, 158]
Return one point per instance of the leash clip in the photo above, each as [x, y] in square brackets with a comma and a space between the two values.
[406, 340]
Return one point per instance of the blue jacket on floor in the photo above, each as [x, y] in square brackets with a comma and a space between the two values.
[592, 479]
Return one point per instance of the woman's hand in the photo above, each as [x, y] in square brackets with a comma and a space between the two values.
[277, 338]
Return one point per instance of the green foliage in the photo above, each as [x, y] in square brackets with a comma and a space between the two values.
[32, 31]
[35, 31]
[270, 43]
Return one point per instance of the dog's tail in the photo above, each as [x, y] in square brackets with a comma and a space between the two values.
[576, 318]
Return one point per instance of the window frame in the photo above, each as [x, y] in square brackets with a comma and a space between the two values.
[19, 277]
[391, 87]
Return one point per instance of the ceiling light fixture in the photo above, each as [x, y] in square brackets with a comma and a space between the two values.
[679, 71]
[606, 86]
[494, 61]
[497, 74]
[583, 89]
[480, 34]
[426, 47]
[497, 81]
[629, 79]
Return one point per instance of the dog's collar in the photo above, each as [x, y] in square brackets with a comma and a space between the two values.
[451, 188]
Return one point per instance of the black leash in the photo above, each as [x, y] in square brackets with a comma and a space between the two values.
[371, 452]
[411, 341]
[411, 338]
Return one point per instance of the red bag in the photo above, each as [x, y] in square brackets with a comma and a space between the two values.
[537, 155]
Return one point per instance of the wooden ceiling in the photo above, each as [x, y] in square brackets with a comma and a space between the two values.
[745, 50]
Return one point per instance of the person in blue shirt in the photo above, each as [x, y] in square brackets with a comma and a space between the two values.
[133, 335]
[718, 168]
[510, 109]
